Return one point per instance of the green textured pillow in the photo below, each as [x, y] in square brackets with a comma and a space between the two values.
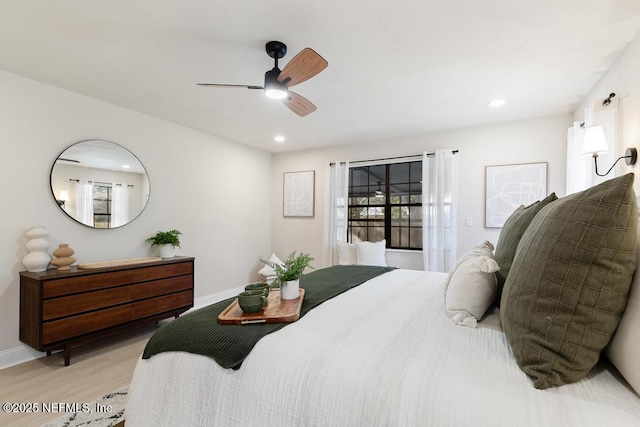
[510, 235]
[570, 280]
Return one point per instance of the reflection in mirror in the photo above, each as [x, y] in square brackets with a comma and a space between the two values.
[100, 184]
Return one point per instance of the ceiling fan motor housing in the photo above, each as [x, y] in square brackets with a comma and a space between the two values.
[272, 86]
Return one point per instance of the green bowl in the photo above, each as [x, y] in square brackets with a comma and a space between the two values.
[259, 286]
[251, 301]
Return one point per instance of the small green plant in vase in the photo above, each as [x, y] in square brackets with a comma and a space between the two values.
[288, 274]
[166, 241]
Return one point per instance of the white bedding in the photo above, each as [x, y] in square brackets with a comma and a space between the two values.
[382, 354]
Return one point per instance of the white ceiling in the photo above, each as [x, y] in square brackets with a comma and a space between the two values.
[100, 154]
[395, 68]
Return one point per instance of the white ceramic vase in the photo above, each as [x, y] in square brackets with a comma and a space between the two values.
[37, 259]
[291, 290]
[166, 251]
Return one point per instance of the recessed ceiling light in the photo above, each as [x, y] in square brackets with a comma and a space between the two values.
[126, 167]
[496, 103]
[278, 138]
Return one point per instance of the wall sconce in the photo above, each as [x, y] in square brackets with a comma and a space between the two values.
[595, 142]
[64, 197]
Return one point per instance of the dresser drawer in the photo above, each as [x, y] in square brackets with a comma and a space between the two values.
[161, 272]
[162, 304]
[90, 282]
[81, 303]
[161, 287]
[75, 326]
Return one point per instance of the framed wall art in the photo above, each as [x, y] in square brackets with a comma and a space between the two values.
[509, 186]
[299, 192]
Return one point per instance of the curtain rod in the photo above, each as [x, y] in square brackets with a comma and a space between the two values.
[100, 182]
[392, 158]
[605, 103]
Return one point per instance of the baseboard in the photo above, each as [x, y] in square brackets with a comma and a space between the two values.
[23, 353]
[17, 355]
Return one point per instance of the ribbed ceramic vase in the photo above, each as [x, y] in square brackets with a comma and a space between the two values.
[63, 258]
[37, 259]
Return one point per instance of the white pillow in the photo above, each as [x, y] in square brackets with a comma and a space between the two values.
[267, 270]
[624, 348]
[369, 253]
[472, 285]
[347, 253]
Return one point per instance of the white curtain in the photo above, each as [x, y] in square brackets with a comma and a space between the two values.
[578, 165]
[83, 196]
[439, 208]
[120, 205]
[336, 205]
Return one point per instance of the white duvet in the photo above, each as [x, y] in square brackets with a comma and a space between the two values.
[382, 354]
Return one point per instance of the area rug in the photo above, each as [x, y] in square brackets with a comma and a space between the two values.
[93, 417]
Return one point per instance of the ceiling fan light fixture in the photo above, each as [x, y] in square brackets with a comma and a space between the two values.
[275, 93]
[378, 193]
[273, 88]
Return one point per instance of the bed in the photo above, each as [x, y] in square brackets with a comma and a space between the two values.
[384, 353]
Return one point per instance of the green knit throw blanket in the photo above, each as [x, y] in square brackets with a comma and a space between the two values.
[198, 332]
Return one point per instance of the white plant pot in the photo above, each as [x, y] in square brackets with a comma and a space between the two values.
[290, 290]
[166, 251]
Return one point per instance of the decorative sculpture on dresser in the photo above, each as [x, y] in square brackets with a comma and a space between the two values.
[63, 259]
[37, 259]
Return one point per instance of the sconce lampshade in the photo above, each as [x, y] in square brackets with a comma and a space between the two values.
[594, 140]
[64, 196]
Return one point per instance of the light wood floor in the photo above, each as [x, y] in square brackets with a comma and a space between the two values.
[97, 368]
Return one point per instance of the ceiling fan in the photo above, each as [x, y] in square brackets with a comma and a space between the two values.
[306, 64]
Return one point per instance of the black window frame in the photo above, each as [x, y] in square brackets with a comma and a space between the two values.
[398, 206]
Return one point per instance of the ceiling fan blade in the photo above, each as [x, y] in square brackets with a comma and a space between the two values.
[226, 85]
[306, 64]
[299, 104]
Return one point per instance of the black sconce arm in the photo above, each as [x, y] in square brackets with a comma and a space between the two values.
[631, 156]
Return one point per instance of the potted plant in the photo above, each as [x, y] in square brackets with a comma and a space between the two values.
[166, 242]
[288, 274]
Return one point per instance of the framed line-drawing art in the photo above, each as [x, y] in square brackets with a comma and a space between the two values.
[299, 191]
[509, 186]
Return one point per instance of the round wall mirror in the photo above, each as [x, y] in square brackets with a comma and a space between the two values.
[100, 184]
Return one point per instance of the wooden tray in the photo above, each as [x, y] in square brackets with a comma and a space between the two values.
[276, 311]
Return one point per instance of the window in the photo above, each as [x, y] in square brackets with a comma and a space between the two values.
[385, 202]
[101, 206]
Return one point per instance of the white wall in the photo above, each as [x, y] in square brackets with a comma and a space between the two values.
[535, 140]
[204, 186]
[622, 78]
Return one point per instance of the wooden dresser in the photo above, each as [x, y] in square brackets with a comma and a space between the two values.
[61, 309]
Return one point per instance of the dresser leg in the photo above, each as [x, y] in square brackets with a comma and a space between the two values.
[67, 355]
[48, 352]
